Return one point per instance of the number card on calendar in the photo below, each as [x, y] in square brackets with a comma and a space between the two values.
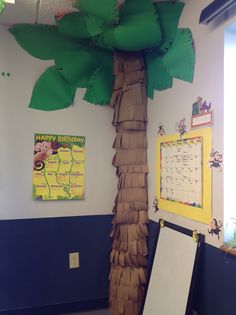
[183, 175]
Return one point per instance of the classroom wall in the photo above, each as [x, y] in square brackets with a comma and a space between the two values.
[214, 293]
[36, 237]
[170, 106]
[18, 124]
[44, 227]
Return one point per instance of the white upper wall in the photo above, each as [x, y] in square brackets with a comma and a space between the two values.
[18, 124]
[172, 105]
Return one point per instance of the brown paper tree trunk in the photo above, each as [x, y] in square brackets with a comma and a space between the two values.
[129, 231]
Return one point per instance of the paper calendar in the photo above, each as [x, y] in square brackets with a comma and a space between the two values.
[181, 171]
[183, 174]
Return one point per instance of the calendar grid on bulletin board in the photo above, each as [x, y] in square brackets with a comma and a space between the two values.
[181, 171]
[183, 175]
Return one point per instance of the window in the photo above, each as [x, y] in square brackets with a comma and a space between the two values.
[230, 137]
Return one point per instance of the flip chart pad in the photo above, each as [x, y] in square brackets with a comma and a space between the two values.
[171, 276]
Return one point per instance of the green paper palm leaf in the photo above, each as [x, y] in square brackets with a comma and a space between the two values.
[169, 13]
[74, 25]
[81, 26]
[180, 58]
[101, 82]
[77, 66]
[83, 42]
[105, 40]
[42, 41]
[107, 10]
[157, 76]
[99, 87]
[52, 92]
[95, 25]
[138, 29]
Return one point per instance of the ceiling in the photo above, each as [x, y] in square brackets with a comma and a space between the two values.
[32, 11]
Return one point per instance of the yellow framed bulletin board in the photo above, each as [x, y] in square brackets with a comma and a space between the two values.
[183, 174]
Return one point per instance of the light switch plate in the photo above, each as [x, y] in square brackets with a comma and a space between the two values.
[74, 260]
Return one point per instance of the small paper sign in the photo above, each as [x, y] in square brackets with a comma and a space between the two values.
[205, 119]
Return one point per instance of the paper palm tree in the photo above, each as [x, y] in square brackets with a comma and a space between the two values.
[121, 56]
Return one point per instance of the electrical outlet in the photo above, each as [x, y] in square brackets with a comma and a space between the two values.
[74, 260]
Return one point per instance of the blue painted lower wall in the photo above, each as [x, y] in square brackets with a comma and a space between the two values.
[34, 264]
[35, 274]
[215, 293]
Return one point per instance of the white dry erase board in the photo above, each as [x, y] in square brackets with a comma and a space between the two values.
[170, 286]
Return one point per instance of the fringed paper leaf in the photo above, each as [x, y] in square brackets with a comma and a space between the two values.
[150, 90]
[180, 58]
[77, 66]
[52, 92]
[138, 29]
[42, 41]
[106, 39]
[100, 85]
[80, 25]
[169, 13]
[94, 25]
[74, 25]
[107, 10]
[157, 76]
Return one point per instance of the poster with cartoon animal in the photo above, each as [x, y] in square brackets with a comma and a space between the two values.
[58, 167]
[202, 113]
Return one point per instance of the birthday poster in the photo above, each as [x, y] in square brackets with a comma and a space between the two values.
[58, 167]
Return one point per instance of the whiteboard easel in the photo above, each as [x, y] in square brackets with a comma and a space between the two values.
[170, 285]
